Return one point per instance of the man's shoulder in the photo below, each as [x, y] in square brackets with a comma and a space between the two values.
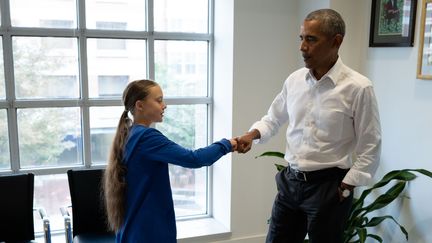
[299, 74]
[301, 71]
[352, 76]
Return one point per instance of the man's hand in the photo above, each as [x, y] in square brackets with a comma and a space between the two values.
[244, 143]
[343, 187]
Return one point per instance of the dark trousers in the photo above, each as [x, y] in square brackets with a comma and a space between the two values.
[308, 206]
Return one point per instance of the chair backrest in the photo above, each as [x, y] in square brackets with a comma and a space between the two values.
[16, 207]
[88, 212]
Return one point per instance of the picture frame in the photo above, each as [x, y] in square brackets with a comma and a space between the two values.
[392, 23]
[424, 60]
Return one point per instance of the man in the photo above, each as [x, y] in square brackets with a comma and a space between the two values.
[332, 115]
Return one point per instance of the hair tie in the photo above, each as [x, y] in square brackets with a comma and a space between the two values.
[125, 114]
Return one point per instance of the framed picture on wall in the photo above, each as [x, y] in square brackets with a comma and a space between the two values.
[424, 61]
[392, 23]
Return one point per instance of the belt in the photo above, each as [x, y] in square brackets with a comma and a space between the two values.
[316, 175]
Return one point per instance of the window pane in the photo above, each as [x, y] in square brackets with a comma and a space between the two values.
[51, 192]
[2, 79]
[184, 124]
[103, 124]
[181, 67]
[49, 137]
[111, 85]
[111, 44]
[181, 16]
[4, 142]
[45, 67]
[112, 66]
[44, 13]
[111, 14]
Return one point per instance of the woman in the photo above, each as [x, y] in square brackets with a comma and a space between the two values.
[136, 182]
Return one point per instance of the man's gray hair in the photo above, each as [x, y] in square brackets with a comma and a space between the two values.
[332, 22]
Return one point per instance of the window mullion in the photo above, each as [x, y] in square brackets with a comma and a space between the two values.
[84, 84]
[5, 13]
[210, 59]
[10, 88]
[150, 40]
[13, 139]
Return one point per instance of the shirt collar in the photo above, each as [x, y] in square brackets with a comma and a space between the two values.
[333, 74]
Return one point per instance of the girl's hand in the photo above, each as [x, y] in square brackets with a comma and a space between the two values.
[233, 144]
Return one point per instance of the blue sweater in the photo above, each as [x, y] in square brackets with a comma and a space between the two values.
[149, 216]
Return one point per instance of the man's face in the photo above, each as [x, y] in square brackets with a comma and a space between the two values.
[319, 50]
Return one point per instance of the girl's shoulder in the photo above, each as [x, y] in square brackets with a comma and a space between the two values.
[136, 128]
[139, 134]
[140, 131]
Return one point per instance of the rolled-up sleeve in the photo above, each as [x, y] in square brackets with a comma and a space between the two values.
[368, 139]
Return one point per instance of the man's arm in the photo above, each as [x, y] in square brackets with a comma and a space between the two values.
[368, 139]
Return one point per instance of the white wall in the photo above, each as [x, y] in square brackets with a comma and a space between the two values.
[265, 51]
[406, 116]
[405, 105]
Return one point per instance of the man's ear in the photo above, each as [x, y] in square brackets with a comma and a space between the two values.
[338, 40]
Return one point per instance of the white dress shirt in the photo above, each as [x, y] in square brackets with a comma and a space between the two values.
[332, 122]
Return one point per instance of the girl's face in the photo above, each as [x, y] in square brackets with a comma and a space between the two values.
[150, 109]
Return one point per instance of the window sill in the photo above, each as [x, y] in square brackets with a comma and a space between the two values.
[199, 229]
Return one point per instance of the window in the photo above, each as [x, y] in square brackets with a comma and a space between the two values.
[56, 23]
[112, 85]
[111, 25]
[4, 142]
[61, 86]
[2, 79]
[44, 14]
[111, 43]
[62, 79]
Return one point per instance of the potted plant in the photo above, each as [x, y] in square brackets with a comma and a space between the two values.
[360, 219]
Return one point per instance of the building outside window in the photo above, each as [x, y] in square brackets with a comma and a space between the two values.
[63, 67]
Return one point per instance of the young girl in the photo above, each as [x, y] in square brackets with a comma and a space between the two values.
[136, 182]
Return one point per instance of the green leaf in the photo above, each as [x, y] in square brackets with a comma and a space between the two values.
[377, 220]
[422, 171]
[376, 237]
[398, 174]
[386, 198]
[403, 175]
[272, 154]
[358, 217]
[348, 235]
[362, 233]
[280, 167]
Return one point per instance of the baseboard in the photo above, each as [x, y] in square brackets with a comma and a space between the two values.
[247, 239]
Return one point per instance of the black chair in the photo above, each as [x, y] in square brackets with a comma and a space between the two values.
[89, 222]
[16, 209]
